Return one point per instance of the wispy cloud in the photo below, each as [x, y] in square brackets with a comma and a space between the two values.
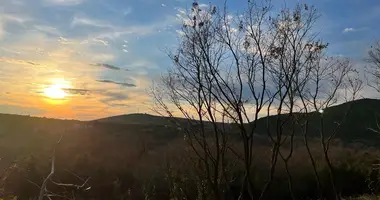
[6, 18]
[90, 22]
[109, 30]
[347, 30]
[108, 66]
[9, 50]
[117, 83]
[2, 31]
[19, 62]
[16, 18]
[75, 91]
[119, 104]
[351, 30]
[104, 42]
[47, 29]
[65, 2]
[114, 98]
[127, 11]
[204, 6]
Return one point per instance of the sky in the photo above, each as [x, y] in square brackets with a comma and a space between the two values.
[107, 53]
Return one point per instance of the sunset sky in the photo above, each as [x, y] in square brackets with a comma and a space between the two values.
[106, 53]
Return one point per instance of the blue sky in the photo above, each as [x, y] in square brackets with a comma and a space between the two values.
[109, 51]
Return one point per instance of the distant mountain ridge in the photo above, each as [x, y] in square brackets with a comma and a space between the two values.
[363, 115]
[136, 118]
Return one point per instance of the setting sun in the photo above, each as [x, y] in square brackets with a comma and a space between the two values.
[55, 92]
[57, 89]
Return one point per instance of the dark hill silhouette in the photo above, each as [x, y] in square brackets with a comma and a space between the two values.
[356, 118]
[136, 118]
[123, 145]
[362, 115]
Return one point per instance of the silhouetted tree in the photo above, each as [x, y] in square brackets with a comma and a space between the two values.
[230, 70]
[374, 69]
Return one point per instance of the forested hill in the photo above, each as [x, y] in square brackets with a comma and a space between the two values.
[356, 118]
[362, 115]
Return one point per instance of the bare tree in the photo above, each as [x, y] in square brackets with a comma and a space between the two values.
[4, 176]
[374, 69]
[374, 82]
[229, 71]
[45, 192]
[332, 81]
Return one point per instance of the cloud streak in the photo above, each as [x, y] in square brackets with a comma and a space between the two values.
[2, 31]
[117, 83]
[77, 21]
[114, 99]
[347, 30]
[16, 18]
[47, 29]
[75, 91]
[65, 2]
[108, 66]
[19, 61]
[114, 31]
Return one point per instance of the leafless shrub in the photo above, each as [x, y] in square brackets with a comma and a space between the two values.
[45, 192]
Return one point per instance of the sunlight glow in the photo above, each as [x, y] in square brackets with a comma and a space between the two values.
[55, 92]
[56, 89]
